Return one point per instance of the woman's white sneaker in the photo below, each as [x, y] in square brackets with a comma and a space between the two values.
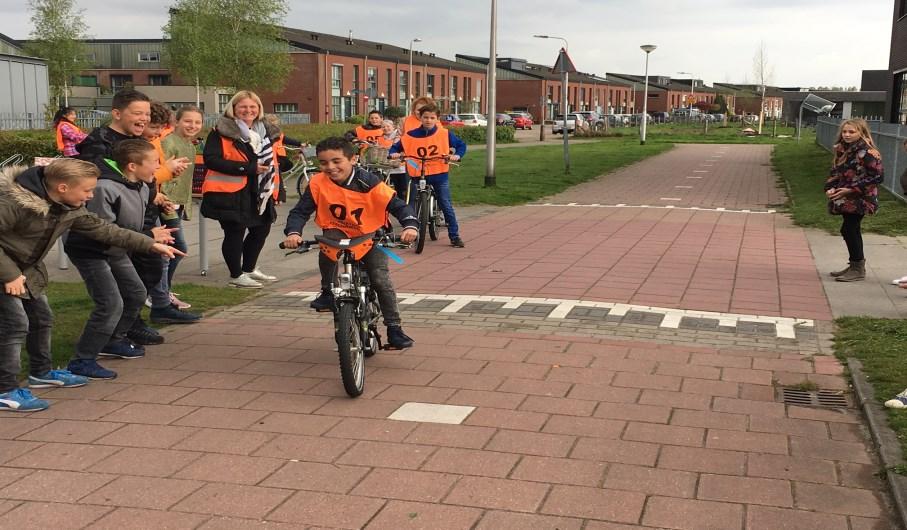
[898, 281]
[261, 277]
[245, 281]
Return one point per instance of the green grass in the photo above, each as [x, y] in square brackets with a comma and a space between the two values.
[525, 174]
[804, 167]
[71, 306]
[716, 134]
[880, 344]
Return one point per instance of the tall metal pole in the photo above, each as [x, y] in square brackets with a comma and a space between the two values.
[409, 77]
[566, 110]
[648, 48]
[490, 86]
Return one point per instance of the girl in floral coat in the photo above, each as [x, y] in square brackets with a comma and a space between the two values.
[852, 190]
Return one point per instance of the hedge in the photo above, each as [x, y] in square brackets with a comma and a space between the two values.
[29, 144]
[477, 135]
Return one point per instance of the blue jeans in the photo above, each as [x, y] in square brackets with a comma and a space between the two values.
[160, 294]
[23, 321]
[441, 184]
[118, 295]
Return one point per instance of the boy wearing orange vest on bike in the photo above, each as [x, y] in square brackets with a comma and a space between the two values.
[434, 140]
[349, 202]
[370, 131]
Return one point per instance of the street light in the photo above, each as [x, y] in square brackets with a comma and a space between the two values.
[409, 75]
[692, 82]
[648, 48]
[566, 100]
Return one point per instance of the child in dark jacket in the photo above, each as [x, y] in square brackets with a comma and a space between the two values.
[118, 292]
[36, 206]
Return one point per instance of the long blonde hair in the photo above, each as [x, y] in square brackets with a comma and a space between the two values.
[239, 96]
[861, 126]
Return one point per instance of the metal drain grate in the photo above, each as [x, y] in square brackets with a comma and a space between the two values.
[814, 398]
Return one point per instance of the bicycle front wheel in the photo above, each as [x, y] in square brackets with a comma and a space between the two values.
[349, 344]
[422, 207]
[433, 218]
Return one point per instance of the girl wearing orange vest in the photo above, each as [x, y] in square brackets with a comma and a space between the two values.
[67, 132]
[241, 187]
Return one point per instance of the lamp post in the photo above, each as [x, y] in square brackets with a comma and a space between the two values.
[692, 81]
[648, 48]
[566, 101]
[409, 76]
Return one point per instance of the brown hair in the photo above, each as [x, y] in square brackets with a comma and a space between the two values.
[188, 108]
[239, 96]
[130, 151]
[430, 107]
[160, 114]
[861, 126]
[422, 101]
[69, 171]
[126, 97]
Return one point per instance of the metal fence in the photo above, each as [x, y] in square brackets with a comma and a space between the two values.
[888, 137]
[89, 119]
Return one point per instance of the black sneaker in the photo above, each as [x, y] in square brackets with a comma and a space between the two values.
[145, 336]
[457, 242]
[172, 315]
[396, 339]
[324, 302]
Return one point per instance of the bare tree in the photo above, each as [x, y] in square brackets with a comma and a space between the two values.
[58, 34]
[763, 73]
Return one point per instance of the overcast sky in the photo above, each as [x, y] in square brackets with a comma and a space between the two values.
[807, 41]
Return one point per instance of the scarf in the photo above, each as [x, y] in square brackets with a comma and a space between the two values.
[257, 138]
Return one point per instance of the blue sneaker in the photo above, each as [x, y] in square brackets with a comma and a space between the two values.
[21, 400]
[91, 369]
[57, 379]
[123, 349]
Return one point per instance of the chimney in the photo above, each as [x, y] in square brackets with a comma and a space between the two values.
[349, 39]
[314, 37]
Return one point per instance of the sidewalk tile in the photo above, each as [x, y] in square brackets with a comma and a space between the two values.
[861, 476]
[829, 450]
[357, 408]
[791, 468]
[276, 383]
[211, 397]
[710, 388]
[578, 426]
[688, 370]
[405, 485]
[805, 413]
[274, 402]
[834, 499]
[143, 492]
[371, 429]
[687, 514]
[471, 462]
[224, 441]
[133, 518]
[385, 454]
[146, 462]
[11, 449]
[467, 381]
[583, 376]
[677, 400]
[289, 423]
[531, 443]
[491, 354]
[862, 523]
[601, 391]
[769, 518]
[747, 441]
[327, 509]
[559, 471]
[664, 434]
[62, 456]
[395, 376]
[594, 503]
[399, 515]
[219, 522]
[741, 375]
[149, 413]
[221, 418]
[793, 427]
[420, 394]
[513, 495]
[745, 490]
[516, 369]
[507, 419]
[702, 460]
[748, 406]
[464, 436]
[618, 451]
[459, 366]
[54, 486]
[152, 436]
[655, 382]
[234, 469]
[70, 431]
[631, 412]
[221, 380]
[652, 481]
[52, 515]
[709, 420]
[233, 500]
[314, 476]
[304, 448]
[486, 398]
[11, 428]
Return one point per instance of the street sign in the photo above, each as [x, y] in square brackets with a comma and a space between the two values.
[563, 63]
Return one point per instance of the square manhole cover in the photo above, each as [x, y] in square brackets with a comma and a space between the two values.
[834, 399]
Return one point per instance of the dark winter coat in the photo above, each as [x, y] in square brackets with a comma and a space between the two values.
[857, 166]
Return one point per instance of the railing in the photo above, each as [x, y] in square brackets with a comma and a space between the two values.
[89, 119]
[889, 139]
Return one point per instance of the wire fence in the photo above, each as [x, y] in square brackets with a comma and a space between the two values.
[889, 139]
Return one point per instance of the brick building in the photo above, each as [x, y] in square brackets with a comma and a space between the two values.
[896, 103]
[534, 88]
[666, 94]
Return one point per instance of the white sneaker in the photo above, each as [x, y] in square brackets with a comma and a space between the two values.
[898, 281]
[899, 401]
[148, 301]
[245, 281]
[261, 277]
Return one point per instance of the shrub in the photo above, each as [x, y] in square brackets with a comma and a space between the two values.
[29, 144]
[358, 119]
[315, 132]
[477, 135]
[392, 113]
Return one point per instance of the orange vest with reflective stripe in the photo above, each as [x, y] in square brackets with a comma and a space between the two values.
[412, 122]
[59, 132]
[438, 144]
[218, 182]
[369, 135]
[384, 142]
[279, 148]
[163, 173]
[353, 212]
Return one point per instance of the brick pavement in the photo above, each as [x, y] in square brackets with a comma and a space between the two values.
[241, 421]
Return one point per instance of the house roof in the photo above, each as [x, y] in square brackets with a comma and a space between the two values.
[839, 96]
[355, 47]
[753, 90]
[533, 70]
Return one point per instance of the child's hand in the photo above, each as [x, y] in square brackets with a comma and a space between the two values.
[394, 156]
[292, 241]
[840, 193]
[168, 207]
[162, 234]
[165, 250]
[160, 199]
[263, 169]
[15, 287]
[177, 165]
[454, 158]
[408, 235]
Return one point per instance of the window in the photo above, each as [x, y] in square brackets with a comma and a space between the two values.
[390, 84]
[453, 87]
[336, 88]
[355, 91]
[149, 57]
[119, 82]
[286, 108]
[85, 80]
[158, 79]
[900, 98]
[222, 101]
[403, 86]
[429, 85]
[371, 87]
[418, 84]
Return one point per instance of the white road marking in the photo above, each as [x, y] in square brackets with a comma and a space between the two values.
[670, 199]
[623, 205]
[431, 413]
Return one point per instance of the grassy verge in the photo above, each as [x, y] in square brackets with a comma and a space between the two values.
[71, 306]
[803, 167]
[716, 134]
[879, 344]
[529, 173]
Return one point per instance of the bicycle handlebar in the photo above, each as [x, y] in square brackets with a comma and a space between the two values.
[378, 238]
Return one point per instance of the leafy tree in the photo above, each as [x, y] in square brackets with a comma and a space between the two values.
[721, 103]
[229, 43]
[392, 113]
[57, 35]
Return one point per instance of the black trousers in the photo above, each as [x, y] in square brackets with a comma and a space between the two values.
[242, 245]
[853, 238]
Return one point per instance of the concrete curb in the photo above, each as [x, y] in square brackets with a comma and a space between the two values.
[885, 439]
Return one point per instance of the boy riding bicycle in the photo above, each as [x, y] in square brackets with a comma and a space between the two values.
[349, 202]
[430, 141]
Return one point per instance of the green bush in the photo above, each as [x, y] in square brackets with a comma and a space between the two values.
[315, 132]
[29, 144]
[357, 119]
[392, 113]
[477, 135]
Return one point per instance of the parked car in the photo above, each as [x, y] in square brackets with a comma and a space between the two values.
[635, 119]
[595, 121]
[473, 120]
[451, 120]
[573, 120]
[521, 120]
[660, 117]
[617, 120]
[503, 120]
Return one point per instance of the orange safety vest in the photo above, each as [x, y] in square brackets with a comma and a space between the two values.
[368, 135]
[59, 132]
[279, 148]
[217, 182]
[414, 122]
[353, 212]
[163, 174]
[384, 142]
[438, 144]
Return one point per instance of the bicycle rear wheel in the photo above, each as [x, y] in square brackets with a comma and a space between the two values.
[349, 345]
[422, 206]
[433, 218]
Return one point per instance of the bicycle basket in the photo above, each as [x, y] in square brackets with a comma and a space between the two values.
[375, 155]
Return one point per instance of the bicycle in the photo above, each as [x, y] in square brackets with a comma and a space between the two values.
[302, 169]
[426, 201]
[356, 309]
